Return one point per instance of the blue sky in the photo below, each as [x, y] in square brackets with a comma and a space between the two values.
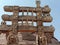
[53, 4]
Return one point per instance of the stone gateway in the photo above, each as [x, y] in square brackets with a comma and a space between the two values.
[27, 26]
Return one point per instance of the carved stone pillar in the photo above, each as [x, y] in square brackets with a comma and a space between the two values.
[42, 38]
[12, 37]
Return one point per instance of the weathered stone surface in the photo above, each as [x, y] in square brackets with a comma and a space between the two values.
[3, 39]
[26, 33]
[28, 36]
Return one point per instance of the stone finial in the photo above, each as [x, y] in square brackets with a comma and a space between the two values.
[38, 3]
